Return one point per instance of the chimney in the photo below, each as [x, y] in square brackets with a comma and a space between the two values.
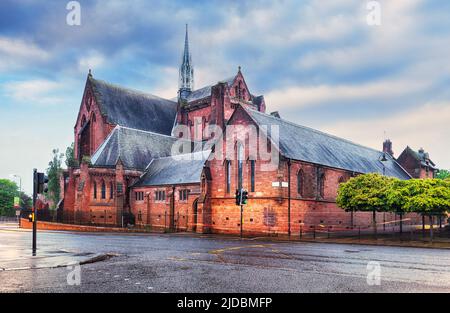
[387, 147]
[275, 114]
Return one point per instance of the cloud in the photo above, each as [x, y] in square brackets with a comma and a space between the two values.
[426, 126]
[300, 97]
[16, 53]
[92, 60]
[37, 92]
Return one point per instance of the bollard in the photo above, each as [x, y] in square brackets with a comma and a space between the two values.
[328, 232]
[314, 232]
[359, 232]
[301, 232]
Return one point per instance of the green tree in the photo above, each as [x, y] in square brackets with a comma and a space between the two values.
[26, 202]
[443, 174]
[366, 192]
[70, 157]
[54, 172]
[396, 196]
[430, 197]
[8, 190]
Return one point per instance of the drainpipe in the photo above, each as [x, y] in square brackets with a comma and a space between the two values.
[172, 219]
[289, 197]
[149, 218]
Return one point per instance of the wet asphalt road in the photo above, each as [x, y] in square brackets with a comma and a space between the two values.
[189, 263]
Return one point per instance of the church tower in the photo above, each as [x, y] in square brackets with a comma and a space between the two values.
[186, 79]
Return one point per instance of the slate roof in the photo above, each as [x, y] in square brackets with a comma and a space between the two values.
[183, 169]
[310, 145]
[134, 109]
[257, 100]
[135, 148]
[206, 91]
[423, 157]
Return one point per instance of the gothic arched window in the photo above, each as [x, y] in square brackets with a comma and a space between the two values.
[83, 121]
[240, 160]
[252, 175]
[95, 190]
[103, 190]
[111, 190]
[228, 175]
[322, 185]
[300, 180]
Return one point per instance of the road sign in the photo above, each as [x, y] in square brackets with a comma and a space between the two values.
[16, 202]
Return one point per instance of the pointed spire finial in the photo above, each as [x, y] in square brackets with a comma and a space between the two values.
[186, 69]
[90, 73]
[239, 68]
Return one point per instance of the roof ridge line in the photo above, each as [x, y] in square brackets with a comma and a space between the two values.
[129, 89]
[105, 142]
[315, 130]
[183, 154]
[147, 131]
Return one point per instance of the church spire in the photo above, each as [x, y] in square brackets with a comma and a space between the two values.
[186, 70]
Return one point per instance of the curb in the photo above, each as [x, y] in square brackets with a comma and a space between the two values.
[95, 258]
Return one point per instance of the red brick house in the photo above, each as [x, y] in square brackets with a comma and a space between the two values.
[161, 164]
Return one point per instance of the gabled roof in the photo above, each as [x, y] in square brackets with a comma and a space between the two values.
[206, 91]
[421, 156]
[310, 145]
[135, 148]
[182, 169]
[134, 109]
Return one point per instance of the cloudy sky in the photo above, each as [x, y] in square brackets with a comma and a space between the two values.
[318, 63]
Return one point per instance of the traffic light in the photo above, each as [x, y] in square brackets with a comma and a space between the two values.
[244, 196]
[238, 196]
[42, 183]
[30, 217]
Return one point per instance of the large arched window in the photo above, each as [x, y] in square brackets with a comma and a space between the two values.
[92, 132]
[103, 190]
[240, 160]
[111, 190]
[83, 121]
[322, 185]
[228, 175]
[252, 175]
[95, 190]
[300, 183]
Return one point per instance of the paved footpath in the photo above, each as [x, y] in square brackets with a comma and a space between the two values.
[196, 263]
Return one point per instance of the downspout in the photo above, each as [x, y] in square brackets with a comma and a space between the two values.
[172, 219]
[149, 218]
[289, 197]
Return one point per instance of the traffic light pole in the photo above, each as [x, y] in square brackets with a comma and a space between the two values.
[242, 218]
[34, 212]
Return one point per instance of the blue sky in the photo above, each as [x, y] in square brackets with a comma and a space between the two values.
[317, 62]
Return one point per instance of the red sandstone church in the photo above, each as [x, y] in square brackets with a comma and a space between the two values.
[127, 173]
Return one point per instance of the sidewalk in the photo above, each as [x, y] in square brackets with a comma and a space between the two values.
[22, 259]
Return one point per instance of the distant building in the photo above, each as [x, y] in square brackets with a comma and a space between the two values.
[125, 139]
[417, 163]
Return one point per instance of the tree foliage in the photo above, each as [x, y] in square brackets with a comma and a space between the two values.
[70, 157]
[370, 192]
[364, 193]
[8, 190]
[443, 174]
[54, 172]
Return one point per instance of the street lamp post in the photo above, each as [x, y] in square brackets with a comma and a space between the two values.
[20, 190]
[383, 161]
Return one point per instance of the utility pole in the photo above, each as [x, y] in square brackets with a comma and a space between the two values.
[34, 211]
[241, 199]
[40, 182]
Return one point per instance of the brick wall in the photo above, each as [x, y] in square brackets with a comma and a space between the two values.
[158, 214]
[99, 127]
